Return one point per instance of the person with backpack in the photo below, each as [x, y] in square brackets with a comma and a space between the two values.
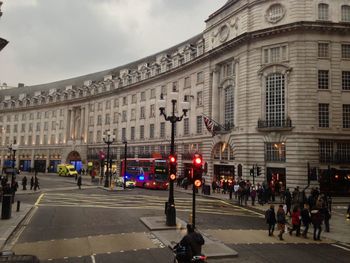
[281, 221]
[270, 218]
[192, 243]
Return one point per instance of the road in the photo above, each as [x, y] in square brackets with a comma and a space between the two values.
[95, 225]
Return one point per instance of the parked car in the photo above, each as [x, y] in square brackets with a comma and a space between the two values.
[120, 182]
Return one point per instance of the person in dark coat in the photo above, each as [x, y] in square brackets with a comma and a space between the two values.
[306, 219]
[193, 241]
[36, 183]
[271, 219]
[281, 221]
[24, 183]
[326, 215]
[317, 219]
[288, 200]
[31, 183]
[79, 181]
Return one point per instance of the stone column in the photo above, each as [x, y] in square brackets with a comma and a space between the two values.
[69, 115]
[215, 96]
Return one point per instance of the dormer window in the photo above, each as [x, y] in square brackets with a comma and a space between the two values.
[323, 12]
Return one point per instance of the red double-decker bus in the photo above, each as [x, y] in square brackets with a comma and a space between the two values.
[149, 173]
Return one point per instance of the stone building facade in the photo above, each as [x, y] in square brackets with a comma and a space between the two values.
[273, 75]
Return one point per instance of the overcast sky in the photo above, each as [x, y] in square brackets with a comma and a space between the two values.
[52, 40]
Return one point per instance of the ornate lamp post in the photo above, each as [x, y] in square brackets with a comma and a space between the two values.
[125, 159]
[13, 148]
[108, 139]
[170, 206]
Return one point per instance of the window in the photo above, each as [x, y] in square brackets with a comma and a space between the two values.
[187, 82]
[228, 69]
[123, 134]
[99, 136]
[199, 124]
[99, 120]
[163, 90]
[132, 133]
[61, 124]
[54, 113]
[133, 114]
[323, 115]
[99, 106]
[38, 126]
[31, 116]
[142, 112]
[30, 140]
[323, 79]
[346, 115]
[200, 77]
[186, 126]
[23, 127]
[323, 12]
[229, 106]
[152, 111]
[60, 138]
[108, 119]
[345, 80]
[133, 98]
[275, 103]
[142, 132]
[143, 96]
[53, 139]
[323, 50]
[38, 115]
[124, 116]
[275, 152]
[115, 103]
[24, 116]
[53, 125]
[199, 98]
[345, 51]
[326, 151]
[153, 93]
[175, 87]
[162, 130]
[108, 104]
[125, 101]
[46, 114]
[15, 128]
[151, 131]
[30, 127]
[62, 111]
[37, 139]
[275, 54]
[115, 117]
[345, 13]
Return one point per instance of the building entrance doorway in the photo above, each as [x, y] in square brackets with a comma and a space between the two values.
[276, 179]
[75, 159]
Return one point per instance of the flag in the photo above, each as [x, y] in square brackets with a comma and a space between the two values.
[209, 124]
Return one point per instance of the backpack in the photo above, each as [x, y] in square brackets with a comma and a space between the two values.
[183, 253]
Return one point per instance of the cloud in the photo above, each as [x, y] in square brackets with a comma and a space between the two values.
[52, 40]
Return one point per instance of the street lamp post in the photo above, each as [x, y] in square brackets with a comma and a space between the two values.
[125, 159]
[13, 148]
[170, 206]
[108, 139]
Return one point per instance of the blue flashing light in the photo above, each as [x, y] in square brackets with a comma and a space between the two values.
[126, 177]
[141, 178]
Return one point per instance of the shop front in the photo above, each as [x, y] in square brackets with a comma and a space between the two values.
[25, 165]
[276, 179]
[75, 159]
[224, 172]
[40, 166]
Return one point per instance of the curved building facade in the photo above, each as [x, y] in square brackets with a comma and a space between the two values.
[271, 79]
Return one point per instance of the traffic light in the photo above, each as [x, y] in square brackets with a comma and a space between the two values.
[258, 171]
[172, 167]
[197, 163]
[251, 172]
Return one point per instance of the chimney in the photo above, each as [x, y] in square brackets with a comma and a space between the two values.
[21, 85]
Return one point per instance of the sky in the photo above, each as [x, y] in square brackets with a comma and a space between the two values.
[52, 40]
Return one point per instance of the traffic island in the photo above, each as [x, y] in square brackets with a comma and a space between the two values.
[171, 235]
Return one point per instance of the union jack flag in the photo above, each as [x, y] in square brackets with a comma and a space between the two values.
[209, 123]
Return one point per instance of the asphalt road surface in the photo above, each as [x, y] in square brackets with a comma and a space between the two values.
[95, 225]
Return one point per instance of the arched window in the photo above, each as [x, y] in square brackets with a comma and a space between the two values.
[229, 106]
[223, 151]
[275, 102]
[323, 12]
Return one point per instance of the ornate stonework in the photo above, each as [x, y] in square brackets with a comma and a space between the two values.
[275, 13]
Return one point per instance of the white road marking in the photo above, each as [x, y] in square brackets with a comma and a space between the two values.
[93, 258]
[344, 248]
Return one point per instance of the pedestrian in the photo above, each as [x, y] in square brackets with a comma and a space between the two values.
[24, 183]
[326, 215]
[306, 219]
[317, 219]
[36, 183]
[348, 212]
[31, 183]
[79, 182]
[270, 217]
[230, 189]
[253, 195]
[213, 186]
[295, 221]
[288, 200]
[281, 221]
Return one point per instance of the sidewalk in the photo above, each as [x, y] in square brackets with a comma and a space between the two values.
[339, 226]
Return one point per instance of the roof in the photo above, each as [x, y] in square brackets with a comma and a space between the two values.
[226, 5]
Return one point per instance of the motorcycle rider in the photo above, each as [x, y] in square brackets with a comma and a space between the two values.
[193, 241]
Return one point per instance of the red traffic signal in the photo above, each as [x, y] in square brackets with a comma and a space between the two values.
[172, 159]
[197, 160]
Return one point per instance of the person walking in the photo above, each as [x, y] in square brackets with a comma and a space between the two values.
[253, 195]
[79, 182]
[270, 217]
[305, 219]
[317, 219]
[288, 200]
[327, 216]
[295, 221]
[281, 221]
[31, 183]
[36, 183]
[24, 183]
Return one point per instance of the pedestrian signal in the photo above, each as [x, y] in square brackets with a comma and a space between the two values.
[172, 167]
[197, 183]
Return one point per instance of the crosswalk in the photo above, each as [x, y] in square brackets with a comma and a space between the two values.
[203, 205]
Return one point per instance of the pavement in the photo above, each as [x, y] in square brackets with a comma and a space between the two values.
[214, 248]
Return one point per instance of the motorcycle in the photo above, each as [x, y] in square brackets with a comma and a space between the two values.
[180, 255]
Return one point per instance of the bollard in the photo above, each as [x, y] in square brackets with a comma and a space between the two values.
[18, 205]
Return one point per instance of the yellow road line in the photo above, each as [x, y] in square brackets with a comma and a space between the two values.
[39, 199]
